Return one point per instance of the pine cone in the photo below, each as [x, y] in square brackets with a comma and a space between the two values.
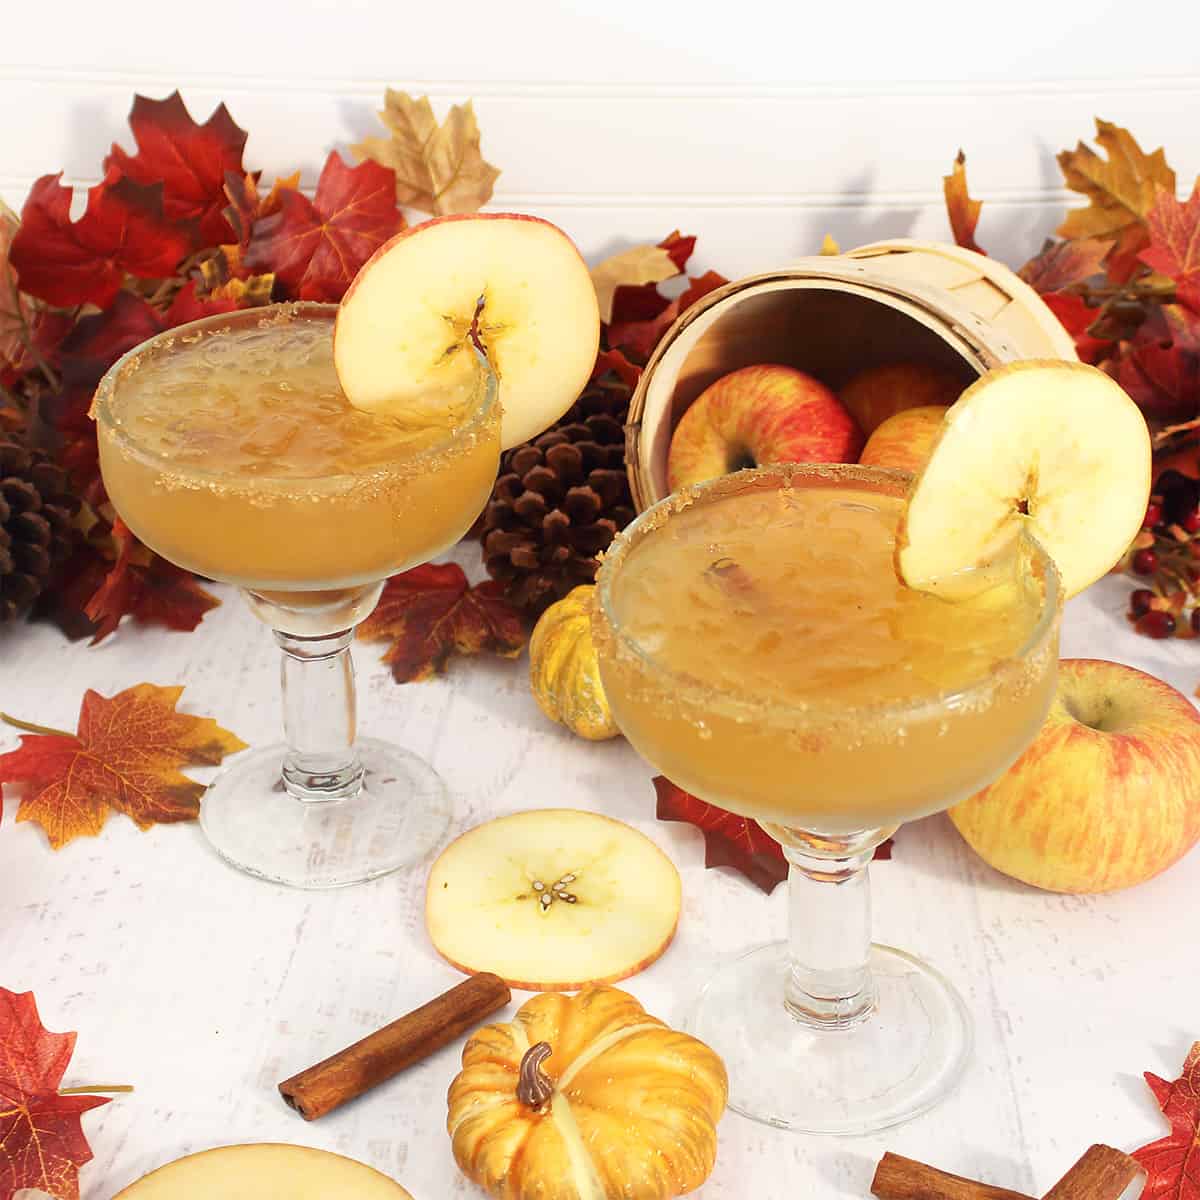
[36, 528]
[559, 501]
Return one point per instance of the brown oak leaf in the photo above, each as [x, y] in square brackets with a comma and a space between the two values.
[961, 209]
[42, 1144]
[125, 757]
[730, 840]
[1172, 1164]
[634, 267]
[440, 169]
[315, 247]
[432, 612]
[1064, 264]
[189, 160]
[1174, 250]
[1121, 190]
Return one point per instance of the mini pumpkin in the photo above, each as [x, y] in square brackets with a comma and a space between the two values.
[564, 671]
[586, 1097]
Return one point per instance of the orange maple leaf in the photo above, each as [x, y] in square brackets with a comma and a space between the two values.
[432, 612]
[124, 757]
[1174, 250]
[962, 210]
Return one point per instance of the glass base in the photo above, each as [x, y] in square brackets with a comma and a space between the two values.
[400, 814]
[898, 1061]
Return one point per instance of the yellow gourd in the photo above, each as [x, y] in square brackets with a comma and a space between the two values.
[564, 672]
[586, 1097]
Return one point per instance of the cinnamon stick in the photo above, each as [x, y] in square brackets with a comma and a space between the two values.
[380, 1055]
[1101, 1174]
[899, 1178]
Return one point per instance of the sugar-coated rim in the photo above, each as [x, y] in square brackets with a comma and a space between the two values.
[485, 409]
[743, 706]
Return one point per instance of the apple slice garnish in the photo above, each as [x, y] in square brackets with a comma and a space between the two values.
[260, 1170]
[403, 331]
[552, 899]
[1054, 446]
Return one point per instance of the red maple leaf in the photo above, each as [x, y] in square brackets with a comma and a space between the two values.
[730, 840]
[641, 336]
[1161, 369]
[1172, 1164]
[432, 612]
[616, 362]
[1077, 317]
[1063, 264]
[147, 587]
[1174, 248]
[679, 246]
[41, 1139]
[188, 305]
[189, 160]
[315, 247]
[123, 230]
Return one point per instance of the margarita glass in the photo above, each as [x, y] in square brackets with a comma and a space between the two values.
[757, 646]
[228, 447]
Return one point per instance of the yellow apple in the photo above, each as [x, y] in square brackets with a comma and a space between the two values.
[905, 441]
[1108, 794]
[767, 413]
[874, 395]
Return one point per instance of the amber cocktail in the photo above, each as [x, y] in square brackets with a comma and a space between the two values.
[758, 647]
[228, 447]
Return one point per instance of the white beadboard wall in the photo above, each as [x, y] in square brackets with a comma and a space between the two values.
[758, 125]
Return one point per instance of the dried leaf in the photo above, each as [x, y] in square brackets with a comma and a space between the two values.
[432, 612]
[1163, 376]
[630, 268]
[829, 246]
[1172, 1164]
[1174, 249]
[147, 587]
[247, 204]
[616, 362]
[1077, 317]
[123, 229]
[641, 336]
[42, 1145]
[316, 247]
[729, 840]
[16, 311]
[1064, 264]
[189, 160]
[124, 757]
[1121, 191]
[440, 169]
[961, 209]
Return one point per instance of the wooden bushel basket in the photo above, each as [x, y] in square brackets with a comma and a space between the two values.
[833, 316]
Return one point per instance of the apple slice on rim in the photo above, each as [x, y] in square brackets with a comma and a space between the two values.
[1053, 445]
[402, 334]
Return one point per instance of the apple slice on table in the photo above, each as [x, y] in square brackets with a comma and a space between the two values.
[402, 336]
[1054, 446]
[767, 413]
[261, 1170]
[552, 899]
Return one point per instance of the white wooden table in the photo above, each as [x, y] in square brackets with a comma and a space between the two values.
[204, 987]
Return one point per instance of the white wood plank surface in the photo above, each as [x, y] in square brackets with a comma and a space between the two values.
[204, 988]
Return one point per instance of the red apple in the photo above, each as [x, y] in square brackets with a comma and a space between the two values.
[1108, 794]
[878, 393]
[402, 336]
[906, 440]
[756, 415]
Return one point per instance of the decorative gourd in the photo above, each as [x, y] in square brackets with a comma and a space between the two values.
[563, 669]
[586, 1097]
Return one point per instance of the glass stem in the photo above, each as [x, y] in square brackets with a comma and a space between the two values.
[829, 922]
[319, 716]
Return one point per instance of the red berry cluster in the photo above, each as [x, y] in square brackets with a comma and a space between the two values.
[1166, 553]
